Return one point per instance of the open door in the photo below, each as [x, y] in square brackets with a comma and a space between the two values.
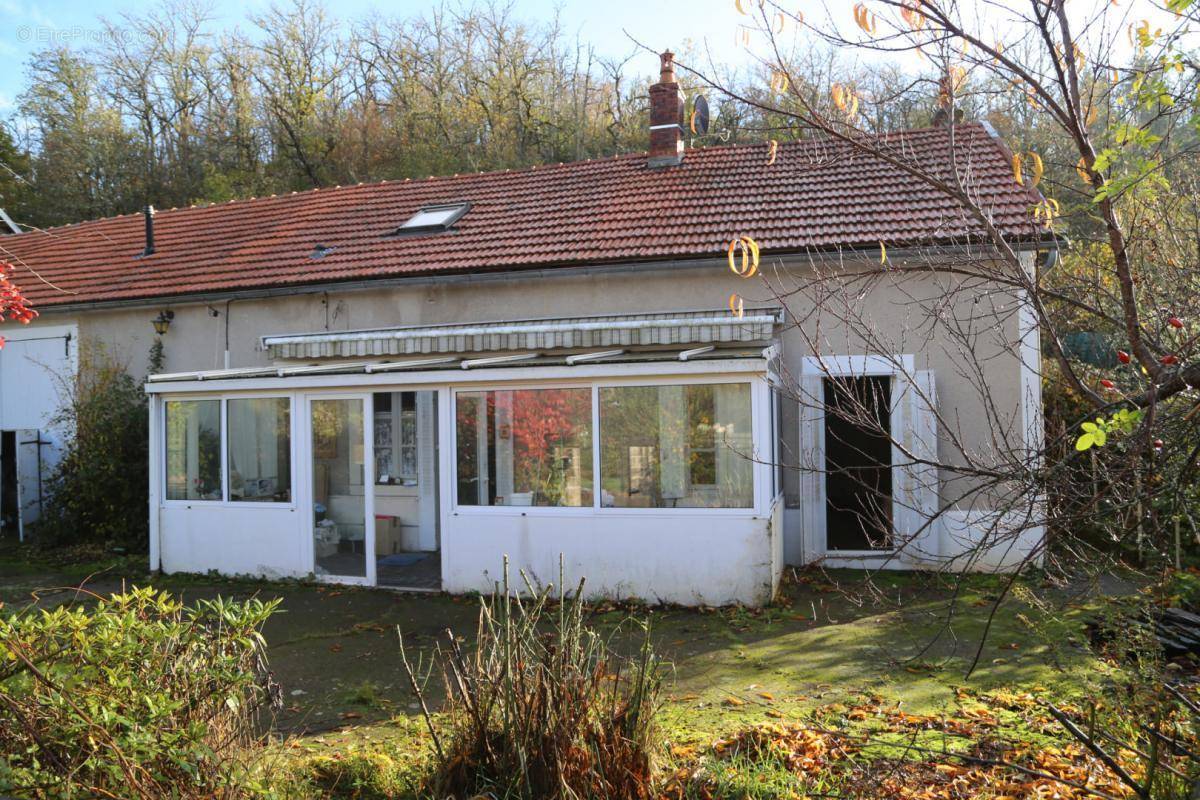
[407, 540]
[858, 464]
[869, 489]
[30, 463]
[9, 515]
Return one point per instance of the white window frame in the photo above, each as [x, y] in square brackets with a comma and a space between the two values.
[760, 488]
[365, 396]
[397, 447]
[223, 398]
[757, 487]
[446, 383]
[227, 497]
[854, 366]
[456, 508]
[165, 461]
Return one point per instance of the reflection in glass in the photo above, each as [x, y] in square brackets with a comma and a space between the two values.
[525, 447]
[683, 446]
[339, 503]
[260, 449]
[193, 449]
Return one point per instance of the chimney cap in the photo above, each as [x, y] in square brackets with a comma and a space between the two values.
[666, 70]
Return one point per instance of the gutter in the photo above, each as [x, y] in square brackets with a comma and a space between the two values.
[365, 284]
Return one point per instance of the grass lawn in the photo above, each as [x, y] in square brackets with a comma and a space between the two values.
[826, 641]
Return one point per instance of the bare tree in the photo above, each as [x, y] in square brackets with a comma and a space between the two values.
[1106, 103]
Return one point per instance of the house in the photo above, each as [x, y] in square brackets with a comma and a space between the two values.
[402, 383]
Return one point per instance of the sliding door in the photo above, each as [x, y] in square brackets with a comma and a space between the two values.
[342, 508]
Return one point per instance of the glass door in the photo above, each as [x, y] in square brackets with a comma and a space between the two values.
[341, 490]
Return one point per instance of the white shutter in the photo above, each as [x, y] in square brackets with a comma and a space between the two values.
[30, 474]
[811, 462]
[916, 497]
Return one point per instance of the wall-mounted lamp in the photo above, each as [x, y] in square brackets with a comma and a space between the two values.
[163, 321]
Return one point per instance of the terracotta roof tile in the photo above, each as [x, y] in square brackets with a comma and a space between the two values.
[818, 195]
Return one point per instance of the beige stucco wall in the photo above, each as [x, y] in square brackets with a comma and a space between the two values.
[893, 308]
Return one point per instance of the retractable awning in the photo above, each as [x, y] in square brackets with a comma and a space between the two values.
[574, 362]
[612, 331]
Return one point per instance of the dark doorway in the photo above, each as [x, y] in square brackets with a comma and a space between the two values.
[858, 460]
[8, 481]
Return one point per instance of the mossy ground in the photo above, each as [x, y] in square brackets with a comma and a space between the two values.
[826, 641]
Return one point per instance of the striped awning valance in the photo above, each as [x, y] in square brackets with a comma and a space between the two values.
[642, 330]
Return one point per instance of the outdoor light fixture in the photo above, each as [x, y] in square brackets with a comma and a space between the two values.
[163, 321]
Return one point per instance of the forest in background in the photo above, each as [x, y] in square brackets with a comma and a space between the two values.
[167, 108]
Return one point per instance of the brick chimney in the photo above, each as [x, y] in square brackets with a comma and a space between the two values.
[666, 117]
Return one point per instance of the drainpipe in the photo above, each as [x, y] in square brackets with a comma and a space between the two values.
[228, 303]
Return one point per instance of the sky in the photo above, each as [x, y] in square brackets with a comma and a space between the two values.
[30, 25]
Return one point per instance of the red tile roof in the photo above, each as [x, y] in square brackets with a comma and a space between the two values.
[818, 195]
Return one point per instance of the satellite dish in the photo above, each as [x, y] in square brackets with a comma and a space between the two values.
[699, 120]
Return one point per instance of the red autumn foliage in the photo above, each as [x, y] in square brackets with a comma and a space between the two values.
[540, 422]
[13, 305]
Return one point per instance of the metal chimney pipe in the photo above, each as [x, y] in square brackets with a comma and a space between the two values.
[148, 212]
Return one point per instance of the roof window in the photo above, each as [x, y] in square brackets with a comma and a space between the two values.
[433, 219]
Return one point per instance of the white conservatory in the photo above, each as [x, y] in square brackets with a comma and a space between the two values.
[639, 451]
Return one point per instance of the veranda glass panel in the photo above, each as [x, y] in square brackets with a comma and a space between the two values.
[525, 447]
[339, 499]
[193, 449]
[260, 449]
[681, 446]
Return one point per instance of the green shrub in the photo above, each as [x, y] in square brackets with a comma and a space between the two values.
[136, 696]
[354, 776]
[99, 491]
[544, 709]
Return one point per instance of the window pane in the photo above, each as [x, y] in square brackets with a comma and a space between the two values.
[193, 449]
[260, 450]
[676, 446]
[396, 438]
[385, 452]
[528, 447]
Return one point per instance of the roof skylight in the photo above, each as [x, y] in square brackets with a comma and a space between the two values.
[433, 219]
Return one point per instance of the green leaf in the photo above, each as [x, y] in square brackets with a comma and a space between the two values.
[1084, 442]
[1105, 159]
